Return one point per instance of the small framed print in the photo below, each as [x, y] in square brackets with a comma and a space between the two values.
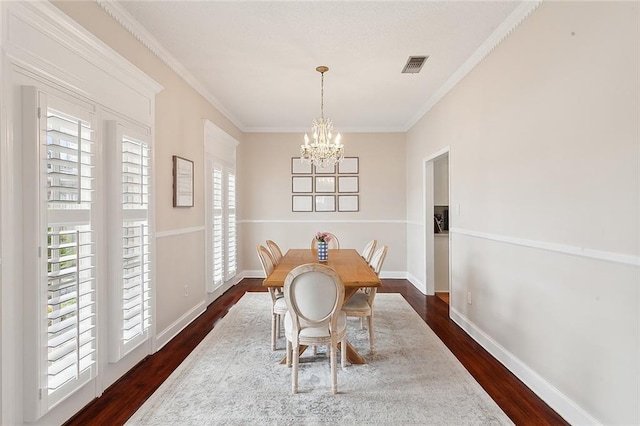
[348, 203]
[328, 170]
[302, 203]
[347, 183]
[301, 184]
[325, 184]
[325, 203]
[300, 167]
[348, 165]
[182, 182]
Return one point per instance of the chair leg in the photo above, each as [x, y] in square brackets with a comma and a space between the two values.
[314, 350]
[343, 352]
[371, 342]
[361, 323]
[294, 372]
[288, 353]
[273, 331]
[334, 373]
[278, 326]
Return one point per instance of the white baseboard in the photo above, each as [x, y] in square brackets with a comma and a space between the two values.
[558, 401]
[172, 331]
[417, 283]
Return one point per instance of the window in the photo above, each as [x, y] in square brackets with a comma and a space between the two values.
[222, 238]
[130, 256]
[68, 266]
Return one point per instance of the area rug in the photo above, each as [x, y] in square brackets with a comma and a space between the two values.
[233, 377]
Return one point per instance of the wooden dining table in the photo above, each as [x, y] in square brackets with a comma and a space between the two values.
[352, 269]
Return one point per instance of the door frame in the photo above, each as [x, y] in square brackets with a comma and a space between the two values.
[428, 203]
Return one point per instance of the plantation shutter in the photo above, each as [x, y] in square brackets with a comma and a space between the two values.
[130, 254]
[218, 226]
[231, 225]
[68, 182]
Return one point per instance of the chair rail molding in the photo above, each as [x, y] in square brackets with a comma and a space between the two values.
[625, 259]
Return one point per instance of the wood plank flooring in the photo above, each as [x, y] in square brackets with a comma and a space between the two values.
[123, 398]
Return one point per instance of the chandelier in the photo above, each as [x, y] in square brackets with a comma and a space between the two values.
[322, 152]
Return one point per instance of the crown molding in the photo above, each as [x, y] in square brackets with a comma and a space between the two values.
[344, 130]
[128, 22]
[516, 17]
[117, 12]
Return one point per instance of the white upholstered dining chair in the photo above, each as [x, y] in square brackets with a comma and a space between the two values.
[278, 304]
[333, 242]
[314, 294]
[361, 303]
[276, 253]
[368, 250]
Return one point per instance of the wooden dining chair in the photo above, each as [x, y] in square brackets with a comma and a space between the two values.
[368, 250]
[333, 242]
[278, 304]
[314, 294]
[276, 253]
[360, 305]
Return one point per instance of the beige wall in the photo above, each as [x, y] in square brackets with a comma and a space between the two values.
[544, 164]
[264, 181]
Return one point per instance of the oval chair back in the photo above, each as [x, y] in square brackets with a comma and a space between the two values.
[276, 253]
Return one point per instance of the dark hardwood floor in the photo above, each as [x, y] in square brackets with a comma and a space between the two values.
[123, 398]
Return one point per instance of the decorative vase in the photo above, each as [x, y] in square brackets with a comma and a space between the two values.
[323, 251]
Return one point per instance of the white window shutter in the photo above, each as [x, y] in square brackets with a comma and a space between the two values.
[130, 253]
[69, 264]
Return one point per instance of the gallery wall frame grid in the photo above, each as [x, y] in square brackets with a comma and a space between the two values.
[325, 189]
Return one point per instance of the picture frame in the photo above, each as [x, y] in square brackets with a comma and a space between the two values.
[326, 170]
[348, 184]
[349, 165]
[348, 203]
[325, 183]
[182, 182]
[301, 203]
[300, 167]
[301, 184]
[325, 203]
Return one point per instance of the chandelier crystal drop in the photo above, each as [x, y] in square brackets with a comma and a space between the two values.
[322, 151]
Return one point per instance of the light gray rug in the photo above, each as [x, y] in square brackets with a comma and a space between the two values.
[234, 378]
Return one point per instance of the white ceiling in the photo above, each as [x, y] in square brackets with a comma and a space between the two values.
[256, 60]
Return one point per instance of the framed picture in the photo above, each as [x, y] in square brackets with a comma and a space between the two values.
[348, 203]
[348, 165]
[182, 182]
[347, 183]
[326, 170]
[299, 167]
[325, 184]
[302, 203]
[301, 184]
[325, 203]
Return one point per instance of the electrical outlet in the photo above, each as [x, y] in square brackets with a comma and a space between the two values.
[186, 290]
[469, 297]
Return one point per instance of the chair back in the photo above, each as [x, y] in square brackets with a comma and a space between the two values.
[368, 249]
[314, 295]
[333, 242]
[266, 260]
[276, 253]
[378, 259]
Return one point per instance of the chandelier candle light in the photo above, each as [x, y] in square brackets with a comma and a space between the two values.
[322, 152]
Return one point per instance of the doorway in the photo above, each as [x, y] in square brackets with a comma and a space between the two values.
[437, 224]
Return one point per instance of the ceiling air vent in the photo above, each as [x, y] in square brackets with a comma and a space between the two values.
[414, 64]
